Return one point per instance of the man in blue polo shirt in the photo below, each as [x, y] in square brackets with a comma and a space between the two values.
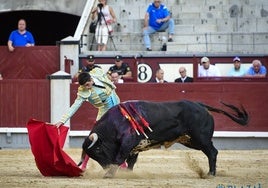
[157, 18]
[20, 37]
[257, 69]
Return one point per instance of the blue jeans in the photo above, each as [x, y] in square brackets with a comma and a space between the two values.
[146, 32]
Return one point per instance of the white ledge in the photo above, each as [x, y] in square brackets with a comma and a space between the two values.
[241, 134]
[227, 134]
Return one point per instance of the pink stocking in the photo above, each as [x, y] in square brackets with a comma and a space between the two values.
[84, 164]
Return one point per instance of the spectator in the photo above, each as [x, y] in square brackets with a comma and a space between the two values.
[121, 68]
[157, 18]
[115, 78]
[159, 76]
[237, 70]
[20, 37]
[90, 65]
[1, 77]
[184, 77]
[206, 69]
[257, 69]
[105, 17]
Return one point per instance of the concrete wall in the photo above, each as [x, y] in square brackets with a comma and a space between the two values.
[65, 6]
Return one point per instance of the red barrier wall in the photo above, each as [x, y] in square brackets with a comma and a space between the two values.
[22, 99]
[29, 63]
[25, 91]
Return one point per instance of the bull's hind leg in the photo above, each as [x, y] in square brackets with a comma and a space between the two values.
[211, 152]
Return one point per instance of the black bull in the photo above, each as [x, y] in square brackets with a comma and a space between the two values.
[113, 140]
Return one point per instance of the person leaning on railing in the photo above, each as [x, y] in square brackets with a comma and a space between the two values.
[257, 69]
[237, 69]
[206, 69]
[20, 37]
[184, 78]
[115, 78]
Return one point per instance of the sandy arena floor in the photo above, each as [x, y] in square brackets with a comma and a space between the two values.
[155, 168]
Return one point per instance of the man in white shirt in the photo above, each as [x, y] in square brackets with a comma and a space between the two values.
[206, 69]
[116, 79]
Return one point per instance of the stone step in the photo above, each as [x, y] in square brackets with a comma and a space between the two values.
[200, 26]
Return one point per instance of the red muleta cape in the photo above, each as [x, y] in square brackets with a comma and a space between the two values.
[46, 143]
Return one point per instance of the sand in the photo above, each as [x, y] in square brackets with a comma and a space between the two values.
[154, 168]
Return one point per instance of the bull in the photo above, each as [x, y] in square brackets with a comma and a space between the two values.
[117, 138]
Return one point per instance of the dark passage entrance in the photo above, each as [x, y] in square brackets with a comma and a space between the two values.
[46, 27]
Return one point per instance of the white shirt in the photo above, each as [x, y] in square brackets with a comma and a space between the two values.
[211, 71]
[120, 81]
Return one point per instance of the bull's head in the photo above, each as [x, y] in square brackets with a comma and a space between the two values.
[93, 146]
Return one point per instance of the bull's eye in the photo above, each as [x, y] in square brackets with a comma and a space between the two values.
[97, 150]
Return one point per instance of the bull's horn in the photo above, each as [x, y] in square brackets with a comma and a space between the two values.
[93, 136]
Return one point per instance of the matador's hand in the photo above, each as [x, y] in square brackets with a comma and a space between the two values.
[58, 124]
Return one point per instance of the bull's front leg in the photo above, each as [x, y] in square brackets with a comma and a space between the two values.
[127, 144]
[111, 171]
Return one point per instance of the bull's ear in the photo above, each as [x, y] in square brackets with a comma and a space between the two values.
[94, 138]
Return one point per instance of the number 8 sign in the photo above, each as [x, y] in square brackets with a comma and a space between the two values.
[144, 73]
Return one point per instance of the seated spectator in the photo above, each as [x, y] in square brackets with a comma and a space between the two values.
[159, 76]
[121, 68]
[237, 70]
[1, 77]
[157, 18]
[20, 37]
[257, 69]
[206, 69]
[90, 65]
[184, 77]
[115, 78]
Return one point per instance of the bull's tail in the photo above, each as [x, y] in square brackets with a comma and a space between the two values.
[240, 116]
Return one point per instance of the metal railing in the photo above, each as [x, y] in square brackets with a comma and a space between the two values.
[242, 43]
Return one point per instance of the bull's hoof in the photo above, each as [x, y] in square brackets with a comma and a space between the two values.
[111, 172]
[123, 166]
[79, 164]
[83, 168]
[211, 173]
